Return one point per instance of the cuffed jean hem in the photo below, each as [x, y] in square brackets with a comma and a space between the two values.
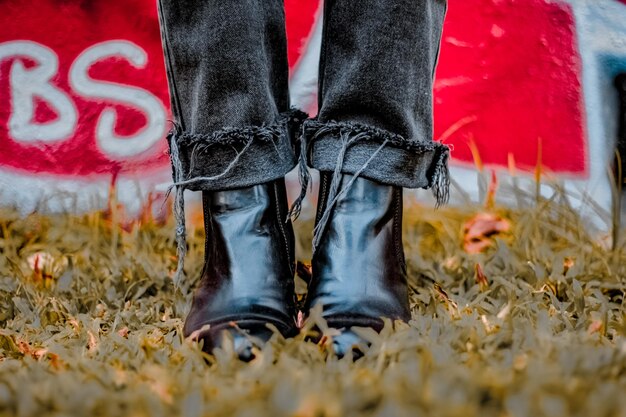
[377, 154]
[233, 158]
[229, 158]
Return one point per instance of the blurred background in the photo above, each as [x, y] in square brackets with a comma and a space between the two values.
[524, 88]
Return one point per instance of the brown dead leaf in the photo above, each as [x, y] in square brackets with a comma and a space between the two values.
[479, 231]
[24, 347]
[444, 297]
[596, 326]
[55, 361]
[46, 268]
[93, 342]
[567, 264]
[481, 278]
[39, 353]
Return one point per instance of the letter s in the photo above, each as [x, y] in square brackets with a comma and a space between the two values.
[112, 144]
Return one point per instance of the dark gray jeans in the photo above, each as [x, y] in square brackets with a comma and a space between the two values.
[228, 78]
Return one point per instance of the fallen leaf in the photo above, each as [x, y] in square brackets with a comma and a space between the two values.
[46, 268]
[479, 231]
[567, 264]
[445, 298]
[596, 326]
[481, 278]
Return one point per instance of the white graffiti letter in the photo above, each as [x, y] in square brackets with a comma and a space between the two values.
[28, 83]
[110, 143]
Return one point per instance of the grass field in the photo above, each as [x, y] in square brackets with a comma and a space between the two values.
[517, 313]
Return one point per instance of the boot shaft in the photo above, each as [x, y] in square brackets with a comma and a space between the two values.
[359, 270]
[249, 259]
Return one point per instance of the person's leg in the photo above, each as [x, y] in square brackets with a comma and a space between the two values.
[372, 136]
[228, 74]
[234, 141]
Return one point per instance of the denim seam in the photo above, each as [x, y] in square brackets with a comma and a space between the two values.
[176, 108]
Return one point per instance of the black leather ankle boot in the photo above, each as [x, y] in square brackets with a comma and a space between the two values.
[247, 281]
[359, 272]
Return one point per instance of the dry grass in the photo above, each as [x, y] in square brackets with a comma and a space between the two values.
[539, 328]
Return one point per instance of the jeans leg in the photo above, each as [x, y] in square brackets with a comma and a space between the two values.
[227, 71]
[376, 73]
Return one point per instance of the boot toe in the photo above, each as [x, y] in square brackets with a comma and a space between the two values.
[244, 339]
[348, 341]
[358, 267]
[247, 281]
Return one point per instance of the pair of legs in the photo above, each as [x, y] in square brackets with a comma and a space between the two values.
[236, 137]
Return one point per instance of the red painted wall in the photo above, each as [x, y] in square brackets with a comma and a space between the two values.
[68, 28]
[509, 76]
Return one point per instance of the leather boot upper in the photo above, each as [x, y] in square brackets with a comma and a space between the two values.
[359, 272]
[249, 261]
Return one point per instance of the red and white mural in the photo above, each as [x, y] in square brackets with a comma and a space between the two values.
[85, 100]
[85, 85]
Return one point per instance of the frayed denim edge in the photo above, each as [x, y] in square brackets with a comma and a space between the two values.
[287, 124]
[351, 133]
